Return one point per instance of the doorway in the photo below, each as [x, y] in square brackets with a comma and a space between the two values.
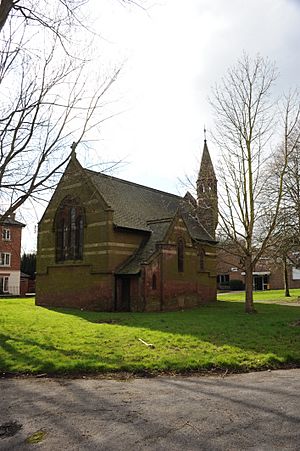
[3, 284]
[258, 283]
[261, 282]
[125, 294]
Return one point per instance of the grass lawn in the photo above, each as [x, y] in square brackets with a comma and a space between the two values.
[39, 340]
[266, 296]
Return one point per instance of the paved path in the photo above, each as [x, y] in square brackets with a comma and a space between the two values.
[256, 411]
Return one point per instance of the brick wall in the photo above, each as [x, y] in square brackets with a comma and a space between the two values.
[12, 246]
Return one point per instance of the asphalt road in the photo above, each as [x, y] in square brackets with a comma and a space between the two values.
[255, 411]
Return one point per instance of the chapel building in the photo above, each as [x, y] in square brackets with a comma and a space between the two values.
[111, 245]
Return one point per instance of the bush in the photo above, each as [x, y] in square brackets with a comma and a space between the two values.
[236, 285]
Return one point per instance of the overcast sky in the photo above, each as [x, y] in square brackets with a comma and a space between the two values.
[174, 53]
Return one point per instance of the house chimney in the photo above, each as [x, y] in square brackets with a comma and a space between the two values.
[13, 216]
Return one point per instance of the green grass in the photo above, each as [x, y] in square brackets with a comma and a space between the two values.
[266, 296]
[39, 340]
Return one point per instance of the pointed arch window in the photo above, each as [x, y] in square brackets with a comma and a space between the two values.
[180, 255]
[69, 227]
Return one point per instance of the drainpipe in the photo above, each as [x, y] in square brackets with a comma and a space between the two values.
[115, 282]
[143, 287]
[161, 279]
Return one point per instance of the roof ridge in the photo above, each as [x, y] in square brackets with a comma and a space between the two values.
[159, 220]
[133, 183]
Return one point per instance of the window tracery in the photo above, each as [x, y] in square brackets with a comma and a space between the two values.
[201, 259]
[69, 226]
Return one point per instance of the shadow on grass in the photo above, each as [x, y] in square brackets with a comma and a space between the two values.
[274, 330]
[45, 359]
[217, 331]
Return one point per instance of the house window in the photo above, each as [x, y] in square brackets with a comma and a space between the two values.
[180, 255]
[295, 274]
[69, 224]
[223, 279]
[6, 234]
[4, 259]
[154, 282]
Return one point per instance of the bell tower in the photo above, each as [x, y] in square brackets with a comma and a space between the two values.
[207, 193]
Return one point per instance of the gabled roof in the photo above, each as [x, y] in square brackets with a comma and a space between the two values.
[136, 205]
[147, 248]
[11, 222]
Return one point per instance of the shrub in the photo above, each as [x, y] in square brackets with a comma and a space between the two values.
[236, 285]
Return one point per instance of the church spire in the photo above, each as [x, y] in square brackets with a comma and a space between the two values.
[207, 194]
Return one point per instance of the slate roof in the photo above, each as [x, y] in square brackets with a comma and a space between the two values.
[147, 248]
[148, 210]
[135, 205]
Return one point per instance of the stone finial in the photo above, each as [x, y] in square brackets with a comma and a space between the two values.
[73, 147]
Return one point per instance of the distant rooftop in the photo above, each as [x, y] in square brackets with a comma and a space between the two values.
[11, 221]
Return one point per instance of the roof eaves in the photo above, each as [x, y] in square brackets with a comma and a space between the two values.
[131, 229]
[12, 222]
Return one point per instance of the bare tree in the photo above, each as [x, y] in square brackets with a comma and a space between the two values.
[291, 181]
[285, 242]
[46, 102]
[48, 110]
[48, 14]
[245, 122]
[282, 246]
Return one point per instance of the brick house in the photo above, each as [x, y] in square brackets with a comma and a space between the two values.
[268, 274]
[10, 255]
[109, 244]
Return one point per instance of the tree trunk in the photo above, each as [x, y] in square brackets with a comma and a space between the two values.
[286, 278]
[249, 306]
[5, 8]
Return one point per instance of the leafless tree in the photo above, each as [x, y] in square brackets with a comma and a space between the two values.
[46, 103]
[49, 14]
[245, 120]
[291, 181]
[284, 250]
[285, 242]
[45, 113]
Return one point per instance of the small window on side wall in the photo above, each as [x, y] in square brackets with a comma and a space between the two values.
[6, 234]
[5, 259]
[201, 259]
[154, 282]
[180, 255]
